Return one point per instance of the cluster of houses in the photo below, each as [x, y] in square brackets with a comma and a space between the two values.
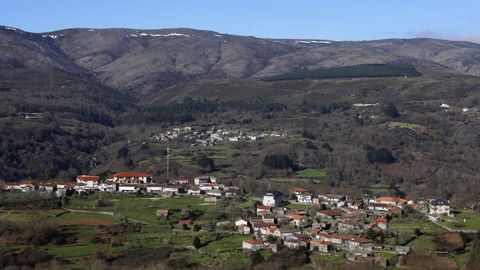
[211, 136]
[132, 182]
[334, 223]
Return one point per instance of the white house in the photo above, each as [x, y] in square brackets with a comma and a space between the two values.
[439, 207]
[253, 245]
[194, 191]
[170, 189]
[23, 186]
[132, 178]
[204, 179]
[88, 180]
[154, 188]
[240, 222]
[272, 198]
[128, 188]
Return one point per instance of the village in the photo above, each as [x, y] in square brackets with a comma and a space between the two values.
[320, 223]
[210, 136]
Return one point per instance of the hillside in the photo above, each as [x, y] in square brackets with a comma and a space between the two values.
[101, 95]
[146, 61]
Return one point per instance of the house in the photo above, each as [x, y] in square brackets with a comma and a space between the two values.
[379, 207]
[108, 186]
[298, 190]
[128, 188]
[305, 197]
[262, 209]
[253, 245]
[298, 220]
[399, 202]
[81, 187]
[272, 198]
[284, 233]
[47, 187]
[215, 193]
[232, 191]
[331, 199]
[89, 180]
[211, 186]
[240, 222]
[437, 207]
[204, 180]
[268, 230]
[244, 229]
[302, 195]
[194, 191]
[163, 213]
[321, 246]
[23, 186]
[63, 187]
[170, 189]
[347, 226]
[268, 218]
[183, 182]
[154, 188]
[358, 243]
[330, 214]
[132, 178]
[257, 226]
[294, 243]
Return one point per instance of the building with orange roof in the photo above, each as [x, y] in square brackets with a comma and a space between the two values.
[132, 178]
[253, 245]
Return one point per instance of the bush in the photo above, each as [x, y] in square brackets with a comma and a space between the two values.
[381, 155]
[278, 162]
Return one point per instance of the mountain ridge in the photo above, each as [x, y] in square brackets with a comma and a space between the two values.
[145, 61]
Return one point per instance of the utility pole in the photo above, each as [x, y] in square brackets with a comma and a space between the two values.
[168, 163]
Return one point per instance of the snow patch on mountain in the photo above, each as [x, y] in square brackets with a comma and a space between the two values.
[52, 36]
[312, 42]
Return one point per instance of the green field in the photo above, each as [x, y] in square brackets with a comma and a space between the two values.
[74, 251]
[421, 243]
[463, 220]
[226, 244]
[311, 173]
[409, 225]
[72, 218]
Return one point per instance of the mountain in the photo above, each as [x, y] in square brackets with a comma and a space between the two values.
[145, 61]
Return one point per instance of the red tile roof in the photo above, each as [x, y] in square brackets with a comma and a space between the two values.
[391, 199]
[254, 242]
[87, 177]
[132, 174]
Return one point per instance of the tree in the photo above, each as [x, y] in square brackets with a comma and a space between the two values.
[278, 161]
[390, 110]
[371, 234]
[196, 242]
[123, 152]
[381, 155]
[256, 258]
[206, 163]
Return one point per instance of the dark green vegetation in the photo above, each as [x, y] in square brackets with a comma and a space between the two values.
[90, 101]
[357, 71]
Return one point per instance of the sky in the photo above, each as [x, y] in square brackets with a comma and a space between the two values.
[315, 19]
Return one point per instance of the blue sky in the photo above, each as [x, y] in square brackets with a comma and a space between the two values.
[320, 19]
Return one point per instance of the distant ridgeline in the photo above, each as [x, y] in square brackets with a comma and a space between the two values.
[356, 71]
